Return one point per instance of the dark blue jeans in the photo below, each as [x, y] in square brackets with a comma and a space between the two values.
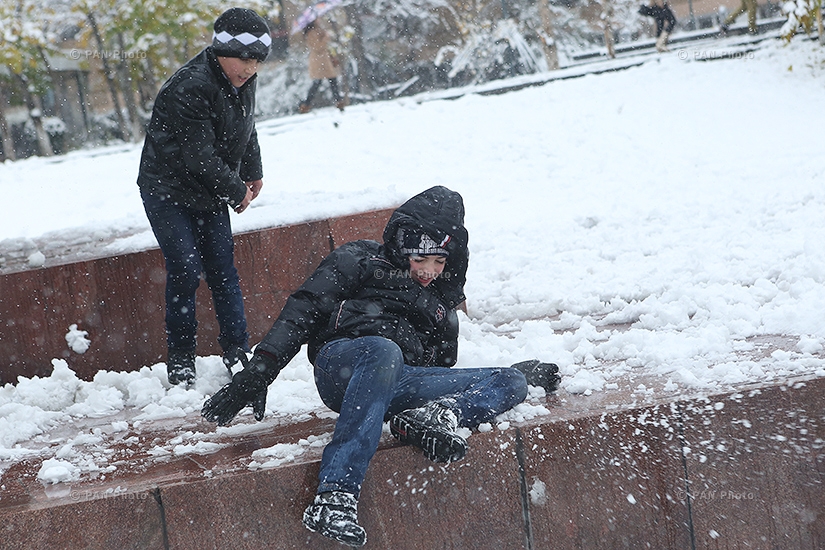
[193, 243]
[366, 381]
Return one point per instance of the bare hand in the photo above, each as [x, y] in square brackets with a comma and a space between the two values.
[256, 187]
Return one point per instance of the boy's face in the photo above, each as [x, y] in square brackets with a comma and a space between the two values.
[425, 269]
[238, 70]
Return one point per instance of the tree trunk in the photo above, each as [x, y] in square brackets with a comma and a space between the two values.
[549, 38]
[44, 144]
[128, 92]
[607, 24]
[607, 20]
[84, 103]
[5, 129]
[608, 41]
[363, 80]
[342, 57]
[148, 87]
[110, 78]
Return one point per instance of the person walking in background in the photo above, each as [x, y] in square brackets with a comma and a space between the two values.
[661, 13]
[746, 6]
[323, 65]
[381, 326]
[200, 157]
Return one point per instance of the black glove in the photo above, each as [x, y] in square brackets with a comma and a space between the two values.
[541, 374]
[248, 387]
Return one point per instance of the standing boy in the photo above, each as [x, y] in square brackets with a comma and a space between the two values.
[200, 157]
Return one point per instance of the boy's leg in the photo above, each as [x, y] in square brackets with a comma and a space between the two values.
[357, 378]
[434, 402]
[476, 395]
[173, 229]
[217, 249]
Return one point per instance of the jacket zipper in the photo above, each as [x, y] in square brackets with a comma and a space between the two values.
[340, 310]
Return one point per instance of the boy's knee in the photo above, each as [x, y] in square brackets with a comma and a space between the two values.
[187, 267]
[384, 354]
[386, 348]
[185, 279]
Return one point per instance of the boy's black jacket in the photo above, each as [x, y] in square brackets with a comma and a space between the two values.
[364, 288]
[201, 144]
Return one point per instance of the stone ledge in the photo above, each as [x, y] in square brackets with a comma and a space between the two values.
[738, 470]
[119, 300]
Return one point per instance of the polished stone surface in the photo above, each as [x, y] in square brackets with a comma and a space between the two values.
[607, 481]
[742, 469]
[756, 467]
[119, 300]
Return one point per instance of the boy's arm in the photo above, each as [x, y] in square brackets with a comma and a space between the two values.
[309, 308]
[312, 304]
[251, 167]
[190, 111]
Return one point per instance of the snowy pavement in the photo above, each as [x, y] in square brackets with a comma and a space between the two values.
[657, 232]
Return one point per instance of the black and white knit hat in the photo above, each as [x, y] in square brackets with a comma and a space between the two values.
[240, 32]
[417, 242]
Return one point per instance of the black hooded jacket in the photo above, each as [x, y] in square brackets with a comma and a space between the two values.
[201, 144]
[364, 288]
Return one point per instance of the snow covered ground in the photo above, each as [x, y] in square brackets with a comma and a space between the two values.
[663, 223]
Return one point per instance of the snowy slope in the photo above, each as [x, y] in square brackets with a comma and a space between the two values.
[662, 224]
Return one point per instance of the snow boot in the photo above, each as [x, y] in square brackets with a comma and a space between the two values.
[334, 514]
[545, 375]
[304, 107]
[341, 104]
[180, 367]
[232, 356]
[661, 42]
[431, 428]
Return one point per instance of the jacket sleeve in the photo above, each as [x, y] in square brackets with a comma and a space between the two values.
[191, 107]
[251, 168]
[308, 309]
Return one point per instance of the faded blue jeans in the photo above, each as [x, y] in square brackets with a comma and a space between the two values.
[366, 381]
[192, 243]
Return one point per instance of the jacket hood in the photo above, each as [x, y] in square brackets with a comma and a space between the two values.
[439, 212]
